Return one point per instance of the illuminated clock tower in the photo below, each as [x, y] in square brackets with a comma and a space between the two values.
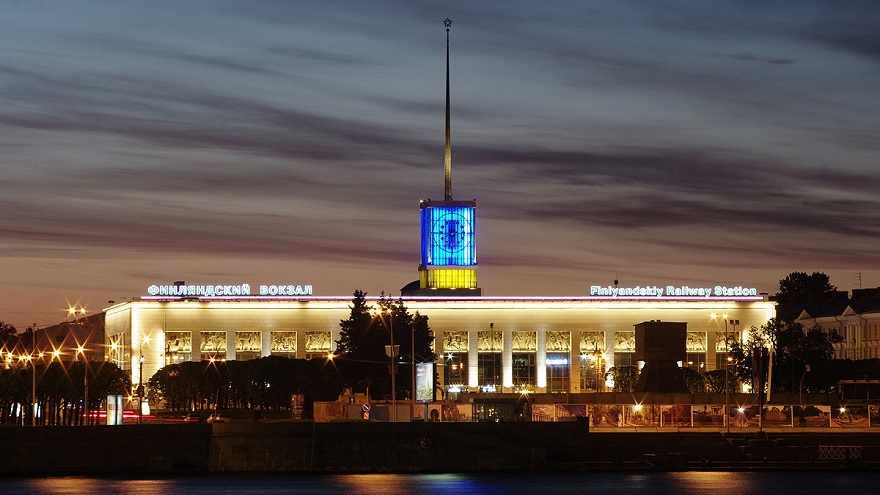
[448, 228]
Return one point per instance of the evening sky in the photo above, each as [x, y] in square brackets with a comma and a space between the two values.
[685, 142]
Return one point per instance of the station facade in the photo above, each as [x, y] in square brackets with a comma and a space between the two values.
[504, 344]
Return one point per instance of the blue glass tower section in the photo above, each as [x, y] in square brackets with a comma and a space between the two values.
[449, 250]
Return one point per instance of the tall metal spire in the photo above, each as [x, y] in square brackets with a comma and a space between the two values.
[447, 165]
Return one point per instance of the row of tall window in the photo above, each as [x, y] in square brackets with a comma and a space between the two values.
[454, 367]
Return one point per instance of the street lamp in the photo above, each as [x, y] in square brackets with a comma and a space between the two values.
[82, 350]
[140, 388]
[391, 351]
[412, 352]
[727, 360]
[33, 362]
[727, 366]
[801, 388]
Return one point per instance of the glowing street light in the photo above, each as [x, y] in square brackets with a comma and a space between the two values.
[727, 366]
[140, 388]
[81, 350]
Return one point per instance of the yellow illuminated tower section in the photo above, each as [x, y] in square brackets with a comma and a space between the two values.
[448, 228]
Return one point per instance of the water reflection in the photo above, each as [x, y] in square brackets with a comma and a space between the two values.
[684, 483]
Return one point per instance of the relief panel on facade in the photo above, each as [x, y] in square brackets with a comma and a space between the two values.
[558, 342]
[624, 342]
[248, 342]
[178, 342]
[592, 341]
[490, 340]
[455, 342]
[696, 342]
[524, 342]
[318, 342]
[213, 342]
[283, 342]
[720, 345]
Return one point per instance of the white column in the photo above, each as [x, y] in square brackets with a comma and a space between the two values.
[574, 358]
[196, 345]
[541, 360]
[230, 345]
[473, 363]
[266, 343]
[609, 349]
[711, 343]
[507, 359]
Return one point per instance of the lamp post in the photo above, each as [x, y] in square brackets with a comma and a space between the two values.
[81, 350]
[801, 388]
[140, 388]
[33, 390]
[33, 375]
[412, 351]
[391, 351]
[726, 376]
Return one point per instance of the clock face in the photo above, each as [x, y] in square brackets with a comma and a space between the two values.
[448, 236]
[451, 232]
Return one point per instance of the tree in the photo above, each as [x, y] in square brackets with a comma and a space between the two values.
[799, 285]
[695, 381]
[363, 361]
[793, 348]
[624, 377]
[8, 337]
[798, 290]
[7, 330]
[715, 381]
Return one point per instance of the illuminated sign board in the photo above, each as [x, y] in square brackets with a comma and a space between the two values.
[671, 291]
[183, 290]
[424, 382]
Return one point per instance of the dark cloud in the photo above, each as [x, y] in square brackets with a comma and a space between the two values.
[675, 140]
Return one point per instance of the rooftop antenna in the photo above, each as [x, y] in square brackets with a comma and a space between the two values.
[447, 163]
[859, 279]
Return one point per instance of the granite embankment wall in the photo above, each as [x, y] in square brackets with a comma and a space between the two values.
[357, 447]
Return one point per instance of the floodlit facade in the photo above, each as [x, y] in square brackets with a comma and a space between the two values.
[561, 344]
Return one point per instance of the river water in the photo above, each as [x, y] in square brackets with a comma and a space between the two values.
[611, 483]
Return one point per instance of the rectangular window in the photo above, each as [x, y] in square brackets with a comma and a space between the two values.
[720, 361]
[247, 356]
[558, 368]
[625, 359]
[592, 374]
[489, 369]
[524, 369]
[696, 361]
[455, 372]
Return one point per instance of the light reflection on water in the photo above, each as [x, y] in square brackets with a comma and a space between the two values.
[684, 483]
